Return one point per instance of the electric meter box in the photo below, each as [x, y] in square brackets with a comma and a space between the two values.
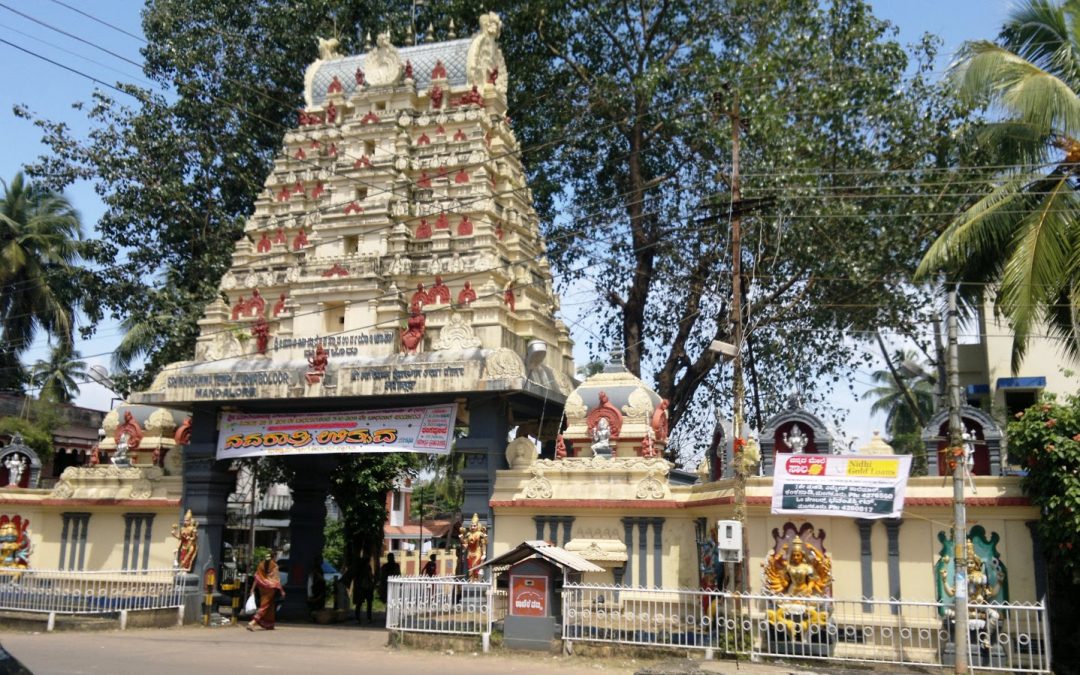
[729, 540]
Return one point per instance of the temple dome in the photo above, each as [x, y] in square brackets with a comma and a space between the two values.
[626, 400]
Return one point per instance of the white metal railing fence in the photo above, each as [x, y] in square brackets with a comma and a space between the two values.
[1007, 637]
[75, 592]
[441, 605]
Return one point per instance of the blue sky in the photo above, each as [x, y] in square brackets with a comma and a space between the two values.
[50, 91]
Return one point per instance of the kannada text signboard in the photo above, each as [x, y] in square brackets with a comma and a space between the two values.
[854, 486]
[529, 595]
[427, 429]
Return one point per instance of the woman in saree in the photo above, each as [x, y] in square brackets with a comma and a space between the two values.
[267, 586]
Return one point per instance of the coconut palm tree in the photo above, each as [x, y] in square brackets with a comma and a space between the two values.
[39, 243]
[889, 396]
[1023, 236]
[58, 378]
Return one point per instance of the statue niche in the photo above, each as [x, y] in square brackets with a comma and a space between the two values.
[799, 570]
[987, 583]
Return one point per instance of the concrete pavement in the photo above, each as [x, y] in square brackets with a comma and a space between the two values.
[305, 648]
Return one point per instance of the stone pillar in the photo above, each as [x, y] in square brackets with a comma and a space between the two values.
[307, 518]
[892, 531]
[485, 453]
[658, 555]
[207, 484]
[567, 523]
[628, 535]
[866, 553]
[1038, 558]
[643, 554]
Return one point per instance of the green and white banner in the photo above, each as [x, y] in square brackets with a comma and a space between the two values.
[852, 486]
[428, 429]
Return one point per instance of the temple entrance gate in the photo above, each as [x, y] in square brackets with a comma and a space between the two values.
[394, 259]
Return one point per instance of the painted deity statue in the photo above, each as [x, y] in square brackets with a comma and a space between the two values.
[14, 542]
[803, 572]
[981, 591]
[16, 466]
[187, 535]
[474, 541]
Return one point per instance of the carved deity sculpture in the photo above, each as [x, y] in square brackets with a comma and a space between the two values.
[423, 231]
[133, 431]
[120, 457]
[474, 541]
[240, 308]
[439, 293]
[796, 440]
[279, 306]
[182, 435]
[413, 336]
[328, 49]
[14, 542]
[420, 297]
[317, 364]
[256, 305]
[508, 298]
[260, 330]
[408, 70]
[981, 591]
[359, 78]
[660, 422]
[188, 536]
[439, 71]
[601, 437]
[436, 96]
[465, 227]
[803, 572]
[16, 466]
[264, 244]
[300, 241]
[560, 447]
[382, 62]
[466, 295]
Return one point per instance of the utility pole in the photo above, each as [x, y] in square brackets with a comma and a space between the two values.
[958, 458]
[742, 577]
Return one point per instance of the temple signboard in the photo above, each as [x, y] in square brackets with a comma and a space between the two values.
[428, 429]
[857, 486]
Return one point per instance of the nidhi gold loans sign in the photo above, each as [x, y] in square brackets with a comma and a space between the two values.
[855, 486]
[428, 429]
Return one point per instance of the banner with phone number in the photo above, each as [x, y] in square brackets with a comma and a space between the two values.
[428, 429]
[852, 486]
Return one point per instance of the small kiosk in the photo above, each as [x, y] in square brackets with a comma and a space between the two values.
[533, 575]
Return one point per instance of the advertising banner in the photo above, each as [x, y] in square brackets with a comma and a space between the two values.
[853, 486]
[528, 595]
[428, 429]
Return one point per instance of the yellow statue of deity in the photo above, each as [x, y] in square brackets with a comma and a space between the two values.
[803, 572]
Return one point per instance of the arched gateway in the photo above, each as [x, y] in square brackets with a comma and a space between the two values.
[393, 260]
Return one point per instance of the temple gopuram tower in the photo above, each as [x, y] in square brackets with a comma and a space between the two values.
[393, 259]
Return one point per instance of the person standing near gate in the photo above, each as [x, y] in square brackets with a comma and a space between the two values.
[363, 586]
[389, 569]
[267, 587]
[431, 567]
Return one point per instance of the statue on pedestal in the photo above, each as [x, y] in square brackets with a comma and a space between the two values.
[16, 466]
[802, 572]
[188, 536]
[474, 541]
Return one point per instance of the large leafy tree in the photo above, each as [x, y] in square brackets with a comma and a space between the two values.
[39, 246]
[623, 112]
[1022, 236]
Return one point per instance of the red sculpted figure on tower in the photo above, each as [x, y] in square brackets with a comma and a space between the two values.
[508, 298]
[436, 96]
[419, 298]
[439, 293]
[439, 71]
[279, 306]
[467, 295]
[660, 421]
[240, 308]
[264, 244]
[413, 336]
[424, 230]
[256, 305]
[317, 364]
[260, 330]
[300, 241]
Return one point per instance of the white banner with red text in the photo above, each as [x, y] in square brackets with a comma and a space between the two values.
[852, 486]
[428, 429]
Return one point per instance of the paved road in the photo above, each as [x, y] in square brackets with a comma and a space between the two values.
[295, 649]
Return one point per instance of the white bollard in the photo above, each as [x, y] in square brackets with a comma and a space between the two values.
[52, 622]
[709, 654]
[123, 619]
[180, 615]
[485, 639]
